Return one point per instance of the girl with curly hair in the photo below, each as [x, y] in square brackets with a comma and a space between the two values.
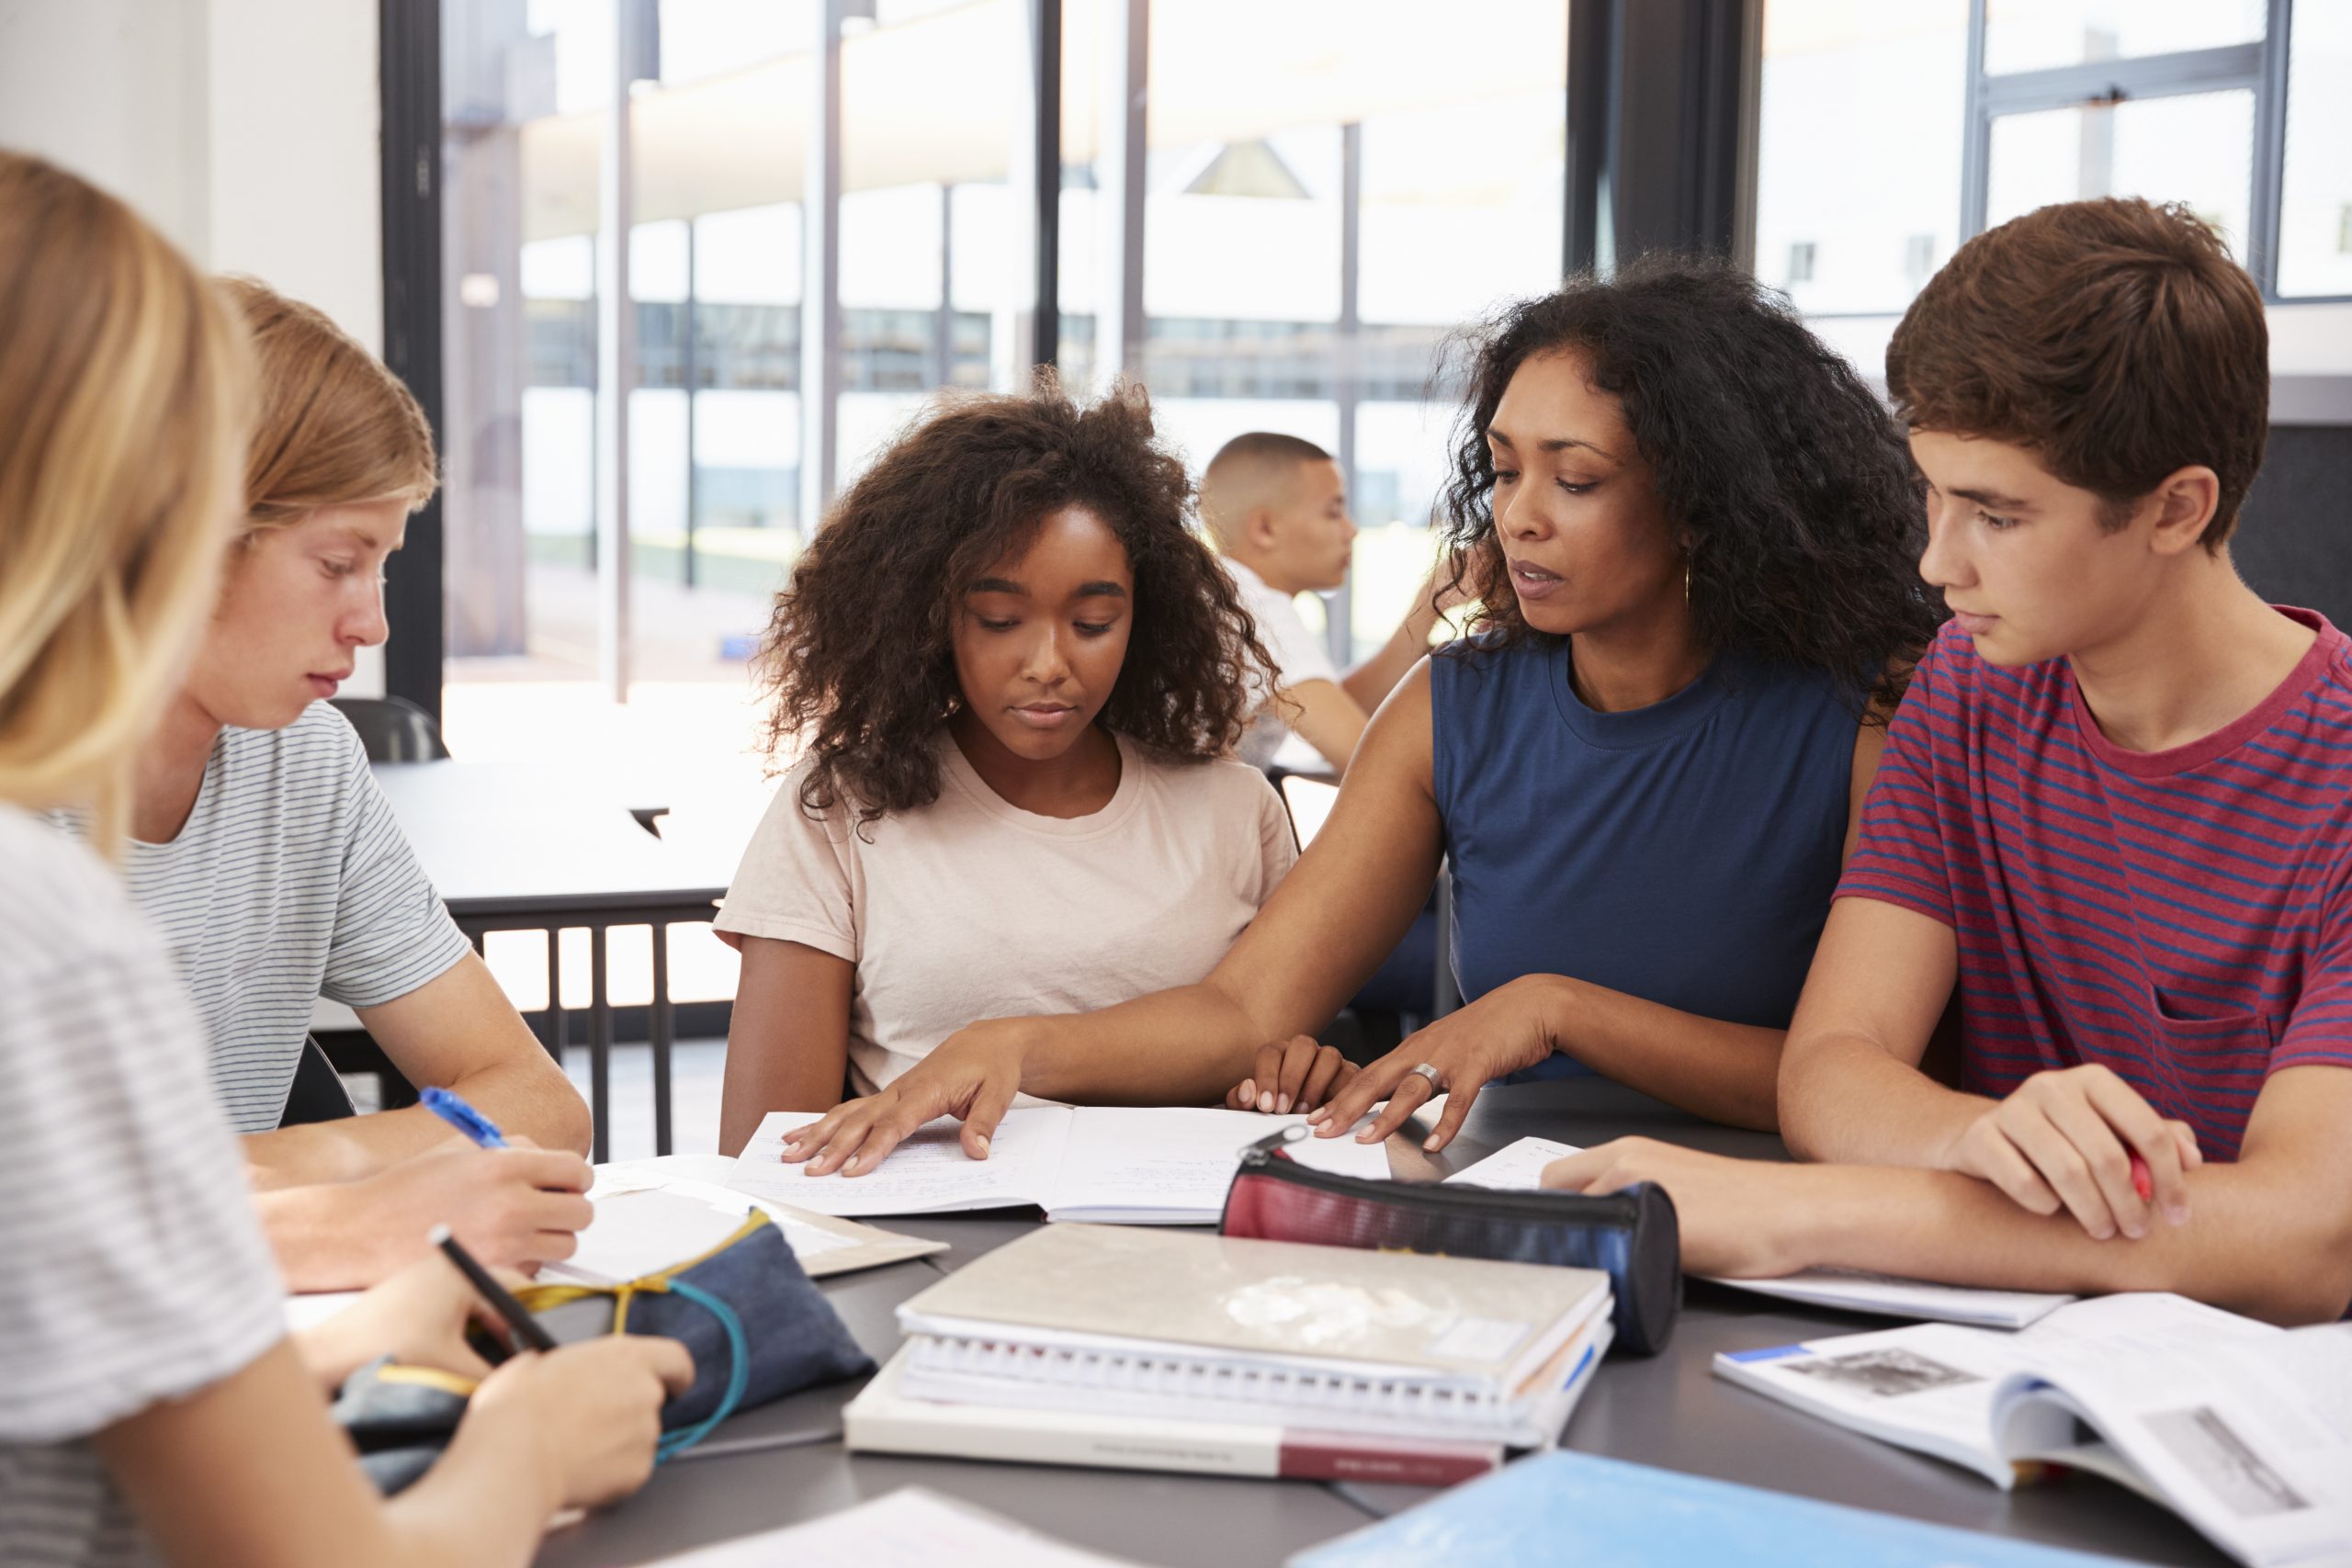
[1012, 674]
[1692, 529]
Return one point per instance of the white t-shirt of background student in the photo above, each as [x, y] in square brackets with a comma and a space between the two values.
[971, 909]
[1298, 653]
[136, 1271]
[290, 880]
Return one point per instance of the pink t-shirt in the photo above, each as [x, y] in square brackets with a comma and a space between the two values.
[2184, 917]
[970, 907]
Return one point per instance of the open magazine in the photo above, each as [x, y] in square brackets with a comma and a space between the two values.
[2242, 1429]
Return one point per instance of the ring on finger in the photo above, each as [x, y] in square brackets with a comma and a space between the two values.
[1428, 1071]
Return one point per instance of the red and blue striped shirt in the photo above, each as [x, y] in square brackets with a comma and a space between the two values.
[2184, 917]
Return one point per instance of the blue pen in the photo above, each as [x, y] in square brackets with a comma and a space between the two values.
[453, 1109]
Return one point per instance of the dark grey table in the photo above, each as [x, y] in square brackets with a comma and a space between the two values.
[517, 848]
[1668, 1410]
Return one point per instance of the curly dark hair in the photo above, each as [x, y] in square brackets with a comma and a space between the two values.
[1807, 514]
[859, 658]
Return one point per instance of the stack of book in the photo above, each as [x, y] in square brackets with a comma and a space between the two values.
[1154, 1349]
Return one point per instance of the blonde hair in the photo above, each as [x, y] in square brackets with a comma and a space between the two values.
[125, 399]
[337, 428]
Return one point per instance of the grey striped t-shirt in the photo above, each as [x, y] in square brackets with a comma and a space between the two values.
[135, 1267]
[290, 881]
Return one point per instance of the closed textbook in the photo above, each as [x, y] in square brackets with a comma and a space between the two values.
[1463, 1321]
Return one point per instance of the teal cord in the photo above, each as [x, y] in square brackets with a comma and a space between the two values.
[738, 1376]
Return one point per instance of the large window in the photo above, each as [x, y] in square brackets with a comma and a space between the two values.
[1878, 149]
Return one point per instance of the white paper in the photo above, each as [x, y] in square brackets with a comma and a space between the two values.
[1891, 1297]
[309, 1311]
[912, 1528]
[1165, 1163]
[929, 1173]
[1515, 1164]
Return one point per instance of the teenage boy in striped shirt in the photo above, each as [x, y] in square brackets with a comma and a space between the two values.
[2115, 814]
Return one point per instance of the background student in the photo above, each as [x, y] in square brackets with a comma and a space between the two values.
[262, 848]
[1694, 581]
[1015, 670]
[2115, 811]
[1278, 509]
[150, 1403]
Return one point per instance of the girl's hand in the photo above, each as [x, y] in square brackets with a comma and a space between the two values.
[1292, 1074]
[418, 1317]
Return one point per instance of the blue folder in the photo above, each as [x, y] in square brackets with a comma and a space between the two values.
[1573, 1508]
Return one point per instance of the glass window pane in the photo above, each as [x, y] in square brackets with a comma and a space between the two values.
[1456, 117]
[2031, 35]
[2315, 201]
[2197, 148]
[1848, 222]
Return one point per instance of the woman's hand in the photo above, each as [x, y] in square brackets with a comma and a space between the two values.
[418, 1317]
[972, 1075]
[1511, 1028]
[1291, 1075]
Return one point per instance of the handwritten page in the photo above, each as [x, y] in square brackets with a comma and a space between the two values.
[912, 1528]
[1159, 1164]
[1176, 1162]
[1515, 1164]
[928, 1174]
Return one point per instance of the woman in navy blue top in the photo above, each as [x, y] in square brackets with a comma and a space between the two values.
[1692, 528]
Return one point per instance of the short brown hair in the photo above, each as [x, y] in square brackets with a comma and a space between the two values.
[2115, 338]
[337, 428]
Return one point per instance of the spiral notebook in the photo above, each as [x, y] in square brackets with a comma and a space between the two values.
[1156, 1322]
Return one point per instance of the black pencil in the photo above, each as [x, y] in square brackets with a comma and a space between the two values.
[527, 1332]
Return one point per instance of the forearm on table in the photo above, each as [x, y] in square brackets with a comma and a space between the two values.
[1843, 1097]
[1185, 1046]
[2255, 1241]
[325, 1240]
[532, 1101]
[1725, 1072]
[483, 1502]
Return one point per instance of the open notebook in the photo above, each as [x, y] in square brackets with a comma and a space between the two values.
[1522, 1165]
[1160, 1166]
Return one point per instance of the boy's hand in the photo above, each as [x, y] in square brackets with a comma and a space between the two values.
[2067, 1138]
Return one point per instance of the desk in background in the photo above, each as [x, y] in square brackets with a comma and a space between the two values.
[513, 846]
[1668, 1410]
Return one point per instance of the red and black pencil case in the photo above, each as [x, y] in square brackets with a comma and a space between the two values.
[1630, 1236]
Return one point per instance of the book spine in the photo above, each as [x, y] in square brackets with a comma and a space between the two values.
[1214, 1449]
[1318, 1457]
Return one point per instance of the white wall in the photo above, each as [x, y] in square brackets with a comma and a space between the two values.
[244, 130]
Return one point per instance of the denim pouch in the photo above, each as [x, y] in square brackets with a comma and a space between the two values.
[756, 1325]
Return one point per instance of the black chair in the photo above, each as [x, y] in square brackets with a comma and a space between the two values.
[317, 1093]
[394, 729]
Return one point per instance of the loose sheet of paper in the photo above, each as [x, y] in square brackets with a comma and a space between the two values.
[1515, 1164]
[912, 1528]
[693, 1199]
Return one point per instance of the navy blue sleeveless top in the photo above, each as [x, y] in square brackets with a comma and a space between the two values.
[1683, 853]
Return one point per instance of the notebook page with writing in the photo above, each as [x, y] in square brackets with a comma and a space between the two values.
[928, 1174]
[1172, 1164]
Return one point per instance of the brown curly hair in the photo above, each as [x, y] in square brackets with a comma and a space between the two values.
[859, 658]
